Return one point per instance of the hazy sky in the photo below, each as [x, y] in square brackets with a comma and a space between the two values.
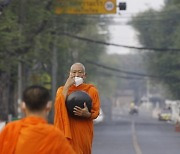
[125, 34]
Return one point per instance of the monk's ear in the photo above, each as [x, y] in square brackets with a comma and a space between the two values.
[23, 107]
[85, 75]
[49, 106]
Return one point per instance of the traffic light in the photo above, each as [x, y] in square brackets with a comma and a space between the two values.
[122, 6]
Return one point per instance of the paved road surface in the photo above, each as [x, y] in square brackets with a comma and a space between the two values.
[136, 135]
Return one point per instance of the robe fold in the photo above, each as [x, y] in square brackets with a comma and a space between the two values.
[33, 135]
[78, 131]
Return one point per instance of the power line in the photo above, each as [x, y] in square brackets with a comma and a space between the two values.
[121, 71]
[118, 45]
[119, 76]
[132, 73]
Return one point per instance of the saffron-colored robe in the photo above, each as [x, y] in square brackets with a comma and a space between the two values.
[78, 131]
[33, 135]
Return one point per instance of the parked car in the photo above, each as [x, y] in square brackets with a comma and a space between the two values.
[165, 115]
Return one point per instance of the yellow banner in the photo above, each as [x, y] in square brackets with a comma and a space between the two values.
[85, 7]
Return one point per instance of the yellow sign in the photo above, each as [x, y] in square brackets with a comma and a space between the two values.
[85, 7]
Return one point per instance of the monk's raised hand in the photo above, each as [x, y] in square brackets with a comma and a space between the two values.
[70, 81]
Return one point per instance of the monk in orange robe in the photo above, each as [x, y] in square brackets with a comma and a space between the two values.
[32, 134]
[79, 132]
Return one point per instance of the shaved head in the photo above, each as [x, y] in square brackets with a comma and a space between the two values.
[80, 65]
[78, 70]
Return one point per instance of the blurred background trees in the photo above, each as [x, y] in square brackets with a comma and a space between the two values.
[38, 47]
[31, 38]
[159, 29]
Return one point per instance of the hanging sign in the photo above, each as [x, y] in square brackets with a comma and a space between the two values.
[85, 7]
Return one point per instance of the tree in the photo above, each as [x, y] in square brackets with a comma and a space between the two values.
[160, 29]
[29, 31]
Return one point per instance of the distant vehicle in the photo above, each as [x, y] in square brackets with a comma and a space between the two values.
[133, 111]
[100, 118]
[165, 115]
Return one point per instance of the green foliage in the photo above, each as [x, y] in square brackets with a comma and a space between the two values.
[110, 82]
[161, 29]
[30, 32]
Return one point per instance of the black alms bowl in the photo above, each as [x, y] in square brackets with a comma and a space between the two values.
[78, 98]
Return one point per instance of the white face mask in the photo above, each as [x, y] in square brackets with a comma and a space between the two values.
[78, 81]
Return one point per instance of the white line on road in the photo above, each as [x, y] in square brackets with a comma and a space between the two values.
[135, 141]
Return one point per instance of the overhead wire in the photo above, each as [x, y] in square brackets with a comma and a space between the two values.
[118, 45]
[121, 71]
[119, 76]
[131, 75]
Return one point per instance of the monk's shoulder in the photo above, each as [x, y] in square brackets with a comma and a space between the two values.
[92, 88]
[53, 130]
[59, 90]
[11, 126]
[13, 123]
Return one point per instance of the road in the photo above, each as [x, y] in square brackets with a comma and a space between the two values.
[138, 134]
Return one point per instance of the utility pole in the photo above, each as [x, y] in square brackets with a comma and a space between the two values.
[54, 71]
[20, 65]
[19, 88]
[54, 68]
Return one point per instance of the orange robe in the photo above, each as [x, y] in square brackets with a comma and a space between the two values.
[33, 135]
[78, 131]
